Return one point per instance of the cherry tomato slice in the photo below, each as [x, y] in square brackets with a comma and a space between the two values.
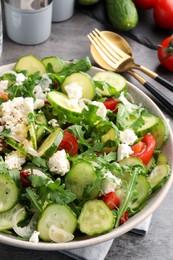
[145, 148]
[111, 104]
[24, 180]
[4, 96]
[124, 217]
[69, 143]
[111, 200]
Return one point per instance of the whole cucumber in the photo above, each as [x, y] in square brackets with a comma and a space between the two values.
[122, 14]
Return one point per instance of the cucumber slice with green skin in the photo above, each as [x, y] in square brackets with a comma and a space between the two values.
[50, 144]
[10, 141]
[57, 215]
[40, 129]
[54, 63]
[143, 189]
[81, 175]
[9, 193]
[62, 102]
[131, 161]
[31, 64]
[95, 218]
[162, 159]
[110, 136]
[84, 81]
[115, 80]
[31, 128]
[6, 217]
[161, 133]
[158, 176]
[150, 122]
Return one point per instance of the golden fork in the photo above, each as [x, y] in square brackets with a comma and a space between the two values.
[122, 60]
[108, 57]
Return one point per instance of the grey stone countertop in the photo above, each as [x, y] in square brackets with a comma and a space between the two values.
[68, 40]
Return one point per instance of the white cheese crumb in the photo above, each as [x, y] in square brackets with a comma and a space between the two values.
[15, 160]
[40, 91]
[39, 103]
[53, 122]
[128, 136]
[124, 151]
[34, 237]
[14, 115]
[20, 77]
[74, 91]
[102, 110]
[110, 182]
[58, 163]
[3, 85]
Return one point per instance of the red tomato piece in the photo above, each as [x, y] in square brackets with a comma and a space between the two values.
[163, 14]
[111, 104]
[4, 96]
[111, 200]
[165, 53]
[24, 180]
[124, 217]
[145, 4]
[69, 143]
[145, 148]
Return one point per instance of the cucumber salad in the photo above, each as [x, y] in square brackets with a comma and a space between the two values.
[77, 155]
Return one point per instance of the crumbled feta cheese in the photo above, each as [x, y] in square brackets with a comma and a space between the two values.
[102, 110]
[15, 160]
[14, 114]
[34, 237]
[124, 151]
[41, 90]
[110, 182]
[20, 77]
[53, 122]
[3, 85]
[74, 91]
[58, 163]
[39, 103]
[128, 136]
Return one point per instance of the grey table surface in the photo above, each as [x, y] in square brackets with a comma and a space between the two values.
[68, 40]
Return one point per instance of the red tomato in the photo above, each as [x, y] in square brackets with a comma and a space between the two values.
[144, 151]
[24, 180]
[111, 104]
[163, 14]
[145, 4]
[165, 53]
[69, 143]
[111, 200]
[124, 217]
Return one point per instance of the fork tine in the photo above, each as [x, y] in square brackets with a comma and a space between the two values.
[114, 47]
[102, 51]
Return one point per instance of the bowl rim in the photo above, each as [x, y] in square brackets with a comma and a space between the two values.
[150, 207]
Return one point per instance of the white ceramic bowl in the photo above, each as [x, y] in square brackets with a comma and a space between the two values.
[151, 206]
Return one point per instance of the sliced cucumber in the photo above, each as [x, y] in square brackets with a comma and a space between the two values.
[6, 217]
[40, 129]
[80, 175]
[62, 102]
[10, 141]
[161, 133]
[162, 159]
[53, 63]
[50, 144]
[110, 137]
[60, 216]
[31, 64]
[95, 218]
[150, 122]
[9, 193]
[158, 176]
[32, 132]
[143, 189]
[115, 80]
[83, 80]
[131, 161]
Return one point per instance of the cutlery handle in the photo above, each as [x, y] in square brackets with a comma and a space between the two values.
[164, 82]
[155, 76]
[166, 102]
